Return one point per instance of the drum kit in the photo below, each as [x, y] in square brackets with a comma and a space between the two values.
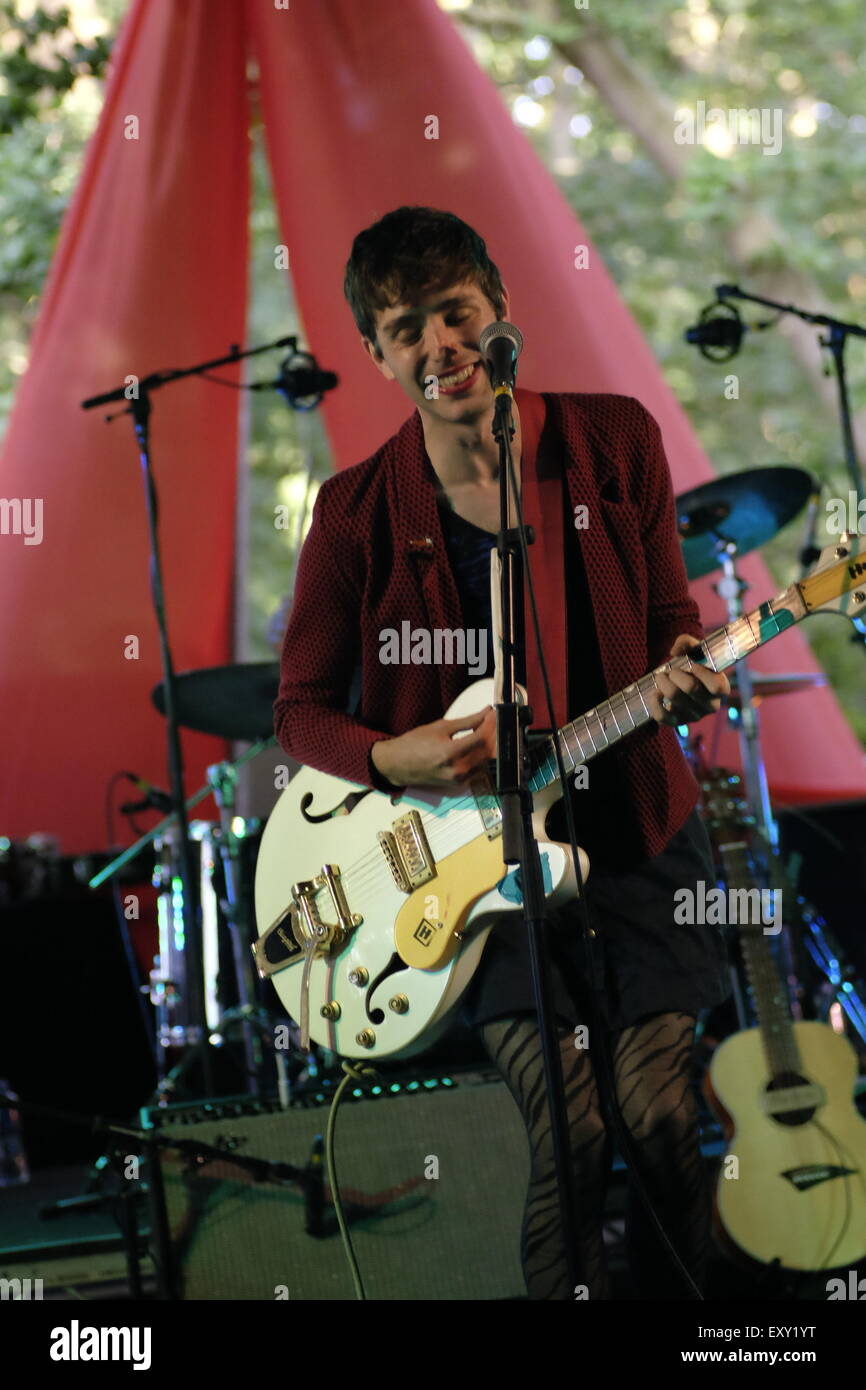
[718, 522]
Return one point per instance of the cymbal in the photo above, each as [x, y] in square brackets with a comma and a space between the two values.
[748, 508]
[763, 686]
[233, 702]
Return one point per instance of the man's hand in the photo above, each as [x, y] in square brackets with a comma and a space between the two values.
[681, 697]
[431, 756]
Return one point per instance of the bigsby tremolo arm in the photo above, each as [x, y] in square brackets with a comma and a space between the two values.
[306, 934]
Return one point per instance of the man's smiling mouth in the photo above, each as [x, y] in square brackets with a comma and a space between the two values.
[449, 381]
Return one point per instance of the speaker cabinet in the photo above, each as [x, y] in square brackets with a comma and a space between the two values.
[433, 1180]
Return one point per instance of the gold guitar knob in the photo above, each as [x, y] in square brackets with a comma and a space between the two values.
[400, 1004]
[365, 1038]
[331, 1011]
[359, 976]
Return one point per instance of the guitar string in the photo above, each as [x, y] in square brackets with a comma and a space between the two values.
[372, 859]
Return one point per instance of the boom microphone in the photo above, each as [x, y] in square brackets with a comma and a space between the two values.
[301, 382]
[153, 796]
[720, 328]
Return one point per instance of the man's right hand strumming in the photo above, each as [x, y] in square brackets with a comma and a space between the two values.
[431, 755]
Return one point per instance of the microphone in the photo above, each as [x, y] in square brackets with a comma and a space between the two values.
[500, 345]
[720, 327]
[301, 381]
[153, 796]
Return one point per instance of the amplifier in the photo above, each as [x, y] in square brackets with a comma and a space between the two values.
[433, 1177]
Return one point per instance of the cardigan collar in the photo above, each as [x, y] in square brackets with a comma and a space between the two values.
[409, 472]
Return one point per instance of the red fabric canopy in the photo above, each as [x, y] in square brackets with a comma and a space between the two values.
[150, 272]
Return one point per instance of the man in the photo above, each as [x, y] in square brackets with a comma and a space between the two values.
[406, 536]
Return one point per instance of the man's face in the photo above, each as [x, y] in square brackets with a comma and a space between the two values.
[430, 349]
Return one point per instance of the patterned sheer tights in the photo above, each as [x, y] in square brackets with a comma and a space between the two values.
[652, 1069]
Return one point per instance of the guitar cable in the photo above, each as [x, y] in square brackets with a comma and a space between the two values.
[842, 1157]
[354, 1071]
[624, 1138]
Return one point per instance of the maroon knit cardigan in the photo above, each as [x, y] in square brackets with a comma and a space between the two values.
[365, 566]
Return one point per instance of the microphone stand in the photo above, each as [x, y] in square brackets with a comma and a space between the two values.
[139, 408]
[519, 845]
[838, 333]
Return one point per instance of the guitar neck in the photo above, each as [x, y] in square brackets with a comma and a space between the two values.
[613, 719]
[772, 1005]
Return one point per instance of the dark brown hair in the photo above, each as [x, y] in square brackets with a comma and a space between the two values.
[410, 250]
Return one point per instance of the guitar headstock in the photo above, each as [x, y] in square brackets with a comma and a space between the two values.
[836, 583]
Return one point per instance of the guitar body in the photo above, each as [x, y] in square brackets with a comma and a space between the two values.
[799, 1196]
[396, 975]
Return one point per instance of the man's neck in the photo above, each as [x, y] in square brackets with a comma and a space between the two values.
[466, 455]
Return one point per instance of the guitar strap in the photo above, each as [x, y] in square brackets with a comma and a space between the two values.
[542, 498]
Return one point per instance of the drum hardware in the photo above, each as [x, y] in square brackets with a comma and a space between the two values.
[840, 985]
[767, 684]
[744, 510]
[752, 507]
[121, 860]
[226, 859]
[222, 777]
[169, 980]
[723, 519]
[223, 850]
[231, 702]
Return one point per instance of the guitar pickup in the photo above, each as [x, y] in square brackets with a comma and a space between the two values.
[407, 852]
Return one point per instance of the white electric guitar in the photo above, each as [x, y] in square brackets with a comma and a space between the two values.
[373, 910]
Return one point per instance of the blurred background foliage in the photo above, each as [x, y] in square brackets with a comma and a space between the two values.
[596, 91]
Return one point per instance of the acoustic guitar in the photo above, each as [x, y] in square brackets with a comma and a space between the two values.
[792, 1185]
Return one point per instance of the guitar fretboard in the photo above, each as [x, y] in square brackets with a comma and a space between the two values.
[613, 719]
[772, 1005]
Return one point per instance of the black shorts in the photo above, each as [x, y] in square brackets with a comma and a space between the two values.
[644, 962]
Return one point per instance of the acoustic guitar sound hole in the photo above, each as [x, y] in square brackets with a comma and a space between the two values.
[782, 1082]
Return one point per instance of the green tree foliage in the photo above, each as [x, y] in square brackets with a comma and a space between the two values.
[50, 89]
[41, 61]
